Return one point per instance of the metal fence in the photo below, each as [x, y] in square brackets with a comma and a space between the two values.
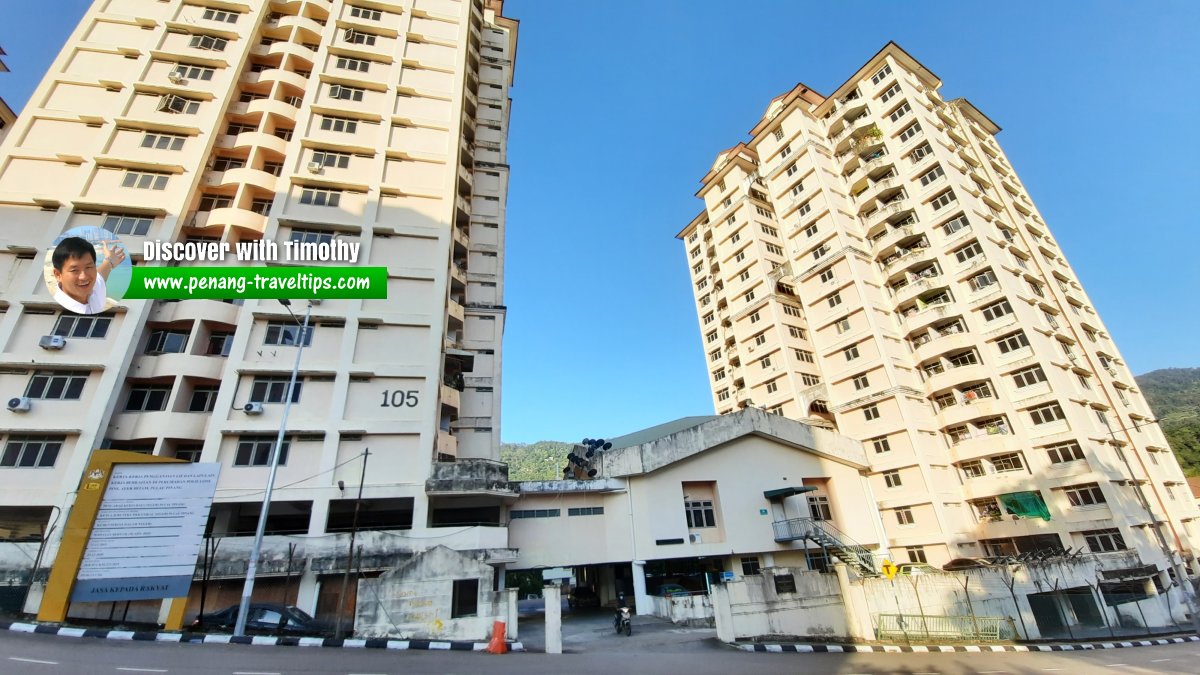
[945, 628]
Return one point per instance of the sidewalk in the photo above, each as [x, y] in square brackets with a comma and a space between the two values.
[1032, 647]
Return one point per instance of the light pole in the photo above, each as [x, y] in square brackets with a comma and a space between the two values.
[239, 628]
[1180, 575]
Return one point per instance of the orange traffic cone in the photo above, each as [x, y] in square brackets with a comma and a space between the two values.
[497, 644]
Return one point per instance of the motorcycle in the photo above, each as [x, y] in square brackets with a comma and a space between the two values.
[622, 621]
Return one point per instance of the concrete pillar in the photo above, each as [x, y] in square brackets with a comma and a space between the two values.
[641, 600]
[858, 618]
[319, 515]
[510, 599]
[306, 592]
[723, 613]
[553, 596]
[768, 560]
[500, 577]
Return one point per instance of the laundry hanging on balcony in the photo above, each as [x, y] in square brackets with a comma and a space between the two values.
[1025, 505]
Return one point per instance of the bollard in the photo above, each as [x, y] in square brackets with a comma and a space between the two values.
[497, 644]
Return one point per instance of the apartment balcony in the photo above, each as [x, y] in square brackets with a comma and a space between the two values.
[177, 365]
[468, 477]
[1012, 526]
[301, 22]
[447, 445]
[982, 443]
[241, 176]
[917, 288]
[195, 310]
[940, 343]
[967, 409]
[893, 237]
[871, 167]
[251, 139]
[229, 217]
[451, 397]
[954, 376]
[273, 75]
[455, 311]
[271, 106]
[906, 258]
[159, 424]
[287, 48]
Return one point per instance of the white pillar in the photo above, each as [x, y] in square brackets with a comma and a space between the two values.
[307, 591]
[553, 597]
[641, 601]
[500, 577]
[858, 621]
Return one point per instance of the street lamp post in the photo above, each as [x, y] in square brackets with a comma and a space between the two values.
[239, 628]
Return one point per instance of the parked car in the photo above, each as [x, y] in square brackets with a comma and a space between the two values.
[966, 564]
[668, 590]
[915, 569]
[266, 618]
[583, 596]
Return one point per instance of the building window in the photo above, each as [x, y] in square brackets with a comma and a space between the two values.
[163, 141]
[517, 514]
[967, 252]
[719, 374]
[146, 399]
[811, 230]
[339, 160]
[256, 451]
[1027, 377]
[1046, 414]
[188, 72]
[765, 362]
[997, 310]
[94, 327]
[759, 339]
[835, 300]
[871, 412]
[167, 342]
[843, 325]
[356, 37]
[754, 318]
[900, 111]
[796, 332]
[784, 583]
[217, 15]
[1062, 453]
[714, 355]
[904, 516]
[273, 389]
[892, 479]
[772, 387]
[861, 382]
[932, 175]
[920, 152]
[1012, 342]
[1101, 541]
[772, 248]
[700, 513]
[883, 72]
[345, 93]
[58, 386]
[809, 379]
[955, 224]
[851, 352]
[219, 344]
[208, 42]
[881, 445]
[723, 395]
[31, 452]
[204, 399]
[357, 65]
[363, 13]
[464, 599]
[804, 356]
[189, 453]
[818, 507]
[586, 511]
[750, 566]
[912, 130]
[916, 554]
[320, 197]
[792, 311]
[942, 200]
[1088, 494]
[349, 126]
[145, 180]
[138, 226]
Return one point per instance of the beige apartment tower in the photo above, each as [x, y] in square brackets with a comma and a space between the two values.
[870, 262]
[376, 122]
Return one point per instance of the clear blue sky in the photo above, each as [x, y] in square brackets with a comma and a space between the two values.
[621, 106]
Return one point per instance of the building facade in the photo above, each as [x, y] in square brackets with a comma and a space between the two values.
[7, 116]
[870, 261]
[382, 124]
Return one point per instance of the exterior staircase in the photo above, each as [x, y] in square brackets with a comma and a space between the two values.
[828, 537]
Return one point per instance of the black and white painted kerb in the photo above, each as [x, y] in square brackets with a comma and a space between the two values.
[927, 649]
[260, 640]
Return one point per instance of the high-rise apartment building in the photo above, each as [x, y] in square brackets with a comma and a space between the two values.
[7, 116]
[870, 261]
[379, 123]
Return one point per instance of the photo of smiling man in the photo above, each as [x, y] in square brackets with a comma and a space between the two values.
[82, 282]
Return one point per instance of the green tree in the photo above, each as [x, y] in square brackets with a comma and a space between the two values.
[1174, 396]
[543, 460]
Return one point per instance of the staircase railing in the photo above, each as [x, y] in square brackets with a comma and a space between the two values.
[829, 537]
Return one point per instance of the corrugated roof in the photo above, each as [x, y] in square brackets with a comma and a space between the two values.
[657, 432]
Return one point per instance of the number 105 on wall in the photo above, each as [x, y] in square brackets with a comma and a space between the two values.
[399, 398]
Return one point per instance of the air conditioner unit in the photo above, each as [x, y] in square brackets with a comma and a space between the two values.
[1073, 357]
[315, 302]
[52, 342]
[19, 404]
[314, 167]
[253, 408]
[175, 77]
[694, 538]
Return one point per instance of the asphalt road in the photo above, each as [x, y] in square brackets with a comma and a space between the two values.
[24, 653]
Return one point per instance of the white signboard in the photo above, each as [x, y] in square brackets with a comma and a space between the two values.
[148, 532]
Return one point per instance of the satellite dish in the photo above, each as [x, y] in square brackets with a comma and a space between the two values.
[591, 473]
[590, 452]
[607, 446]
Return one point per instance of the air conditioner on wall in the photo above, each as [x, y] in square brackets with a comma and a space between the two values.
[52, 342]
[253, 408]
[694, 538]
[19, 404]
[175, 77]
[314, 167]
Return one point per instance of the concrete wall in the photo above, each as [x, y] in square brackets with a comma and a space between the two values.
[685, 610]
[751, 607]
[415, 600]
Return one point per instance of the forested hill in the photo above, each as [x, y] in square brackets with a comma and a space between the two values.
[1174, 395]
[543, 460]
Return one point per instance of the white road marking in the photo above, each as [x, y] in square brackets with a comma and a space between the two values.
[1114, 665]
[17, 658]
[992, 671]
[1158, 660]
[143, 670]
[249, 672]
[1051, 668]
